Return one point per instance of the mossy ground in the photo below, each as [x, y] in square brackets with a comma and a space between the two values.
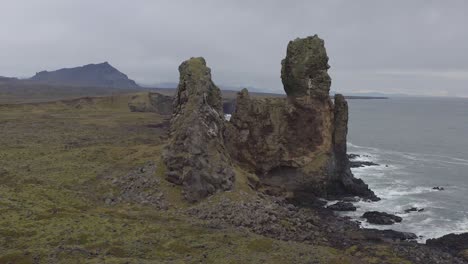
[55, 160]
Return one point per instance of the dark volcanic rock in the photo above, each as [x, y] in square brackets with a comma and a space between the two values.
[451, 242]
[195, 156]
[413, 209]
[392, 235]
[381, 218]
[102, 74]
[297, 144]
[344, 182]
[304, 70]
[151, 102]
[342, 206]
[287, 143]
[360, 164]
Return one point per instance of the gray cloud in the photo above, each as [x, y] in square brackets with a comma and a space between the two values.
[414, 47]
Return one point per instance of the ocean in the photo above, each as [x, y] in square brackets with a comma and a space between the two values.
[420, 143]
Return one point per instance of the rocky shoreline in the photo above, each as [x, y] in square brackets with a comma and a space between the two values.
[288, 154]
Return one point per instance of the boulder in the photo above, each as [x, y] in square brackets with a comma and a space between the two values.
[304, 70]
[381, 218]
[196, 157]
[342, 206]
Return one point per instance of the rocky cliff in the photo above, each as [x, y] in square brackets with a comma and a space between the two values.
[297, 145]
[196, 157]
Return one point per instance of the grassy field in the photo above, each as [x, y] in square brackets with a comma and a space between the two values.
[56, 160]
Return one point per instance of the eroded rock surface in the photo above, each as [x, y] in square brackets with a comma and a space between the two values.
[196, 156]
[297, 144]
[304, 70]
[286, 142]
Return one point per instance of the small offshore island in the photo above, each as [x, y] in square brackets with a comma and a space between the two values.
[150, 178]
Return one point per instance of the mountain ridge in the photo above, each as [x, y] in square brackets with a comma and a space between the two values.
[95, 74]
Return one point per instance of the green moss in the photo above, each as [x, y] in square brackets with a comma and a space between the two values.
[16, 257]
[261, 245]
[57, 164]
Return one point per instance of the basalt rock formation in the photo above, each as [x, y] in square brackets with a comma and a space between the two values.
[304, 70]
[196, 157]
[297, 145]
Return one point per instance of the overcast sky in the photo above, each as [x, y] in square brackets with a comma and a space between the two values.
[412, 47]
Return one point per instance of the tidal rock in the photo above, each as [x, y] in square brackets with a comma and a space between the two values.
[304, 70]
[413, 209]
[342, 206]
[381, 218]
[360, 164]
[151, 102]
[438, 188]
[196, 157]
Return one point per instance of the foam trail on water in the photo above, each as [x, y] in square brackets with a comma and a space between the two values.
[396, 181]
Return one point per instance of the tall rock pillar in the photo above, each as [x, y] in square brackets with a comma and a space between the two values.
[196, 157]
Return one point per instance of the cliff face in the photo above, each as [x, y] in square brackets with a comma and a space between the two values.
[196, 157]
[297, 145]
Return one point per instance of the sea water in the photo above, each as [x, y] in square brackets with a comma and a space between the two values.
[420, 143]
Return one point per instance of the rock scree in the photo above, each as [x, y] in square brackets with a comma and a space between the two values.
[196, 157]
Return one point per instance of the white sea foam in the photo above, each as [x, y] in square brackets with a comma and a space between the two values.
[396, 186]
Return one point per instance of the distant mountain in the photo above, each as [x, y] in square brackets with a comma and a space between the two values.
[100, 75]
[7, 79]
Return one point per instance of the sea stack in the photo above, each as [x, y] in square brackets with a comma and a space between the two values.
[297, 145]
[196, 157]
